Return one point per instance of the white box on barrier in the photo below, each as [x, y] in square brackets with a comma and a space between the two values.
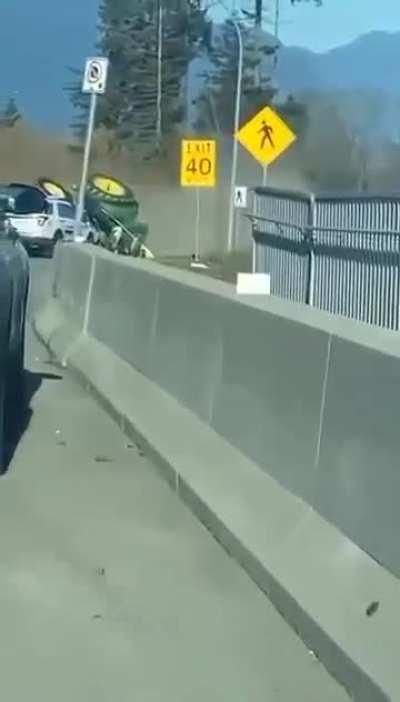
[253, 284]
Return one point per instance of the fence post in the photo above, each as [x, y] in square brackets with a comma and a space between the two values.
[311, 254]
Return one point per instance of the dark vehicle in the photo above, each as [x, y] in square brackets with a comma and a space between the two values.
[14, 289]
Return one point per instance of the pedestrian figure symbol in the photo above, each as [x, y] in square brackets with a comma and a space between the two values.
[266, 136]
[266, 132]
[241, 197]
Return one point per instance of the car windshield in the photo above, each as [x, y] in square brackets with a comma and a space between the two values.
[66, 210]
[23, 199]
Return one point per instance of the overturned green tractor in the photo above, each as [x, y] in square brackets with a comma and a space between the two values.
[113, 207]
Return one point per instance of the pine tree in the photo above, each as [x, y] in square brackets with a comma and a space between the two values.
[130, 31]
[11, 108]
[216, 103]
[217, 100]
[10, 114]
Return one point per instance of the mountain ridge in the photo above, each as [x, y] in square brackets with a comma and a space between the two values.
[37, 45]
[373, 58]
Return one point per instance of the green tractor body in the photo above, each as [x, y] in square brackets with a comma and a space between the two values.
[112, 207]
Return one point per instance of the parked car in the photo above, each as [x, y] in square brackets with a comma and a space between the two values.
[40, 231]
[14, 289]
[65, 200]
[66, 212]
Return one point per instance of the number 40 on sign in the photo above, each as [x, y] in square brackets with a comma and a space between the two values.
[198, 163]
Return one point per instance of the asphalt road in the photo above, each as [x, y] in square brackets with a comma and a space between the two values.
[109, 589]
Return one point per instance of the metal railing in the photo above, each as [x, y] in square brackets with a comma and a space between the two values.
[338, 253]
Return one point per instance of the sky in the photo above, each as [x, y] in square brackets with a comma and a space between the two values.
[37, 42]
[39, 39]
[338, 22]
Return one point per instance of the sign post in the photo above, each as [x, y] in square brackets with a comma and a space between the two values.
[266, 136]
[240, 203]
[265, 175]
[94, 83]
[198, 170]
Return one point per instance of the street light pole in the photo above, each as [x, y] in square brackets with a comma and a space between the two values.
[159, 71]
[277, 20]
[259, 12]
[277, 23]
[235, 143]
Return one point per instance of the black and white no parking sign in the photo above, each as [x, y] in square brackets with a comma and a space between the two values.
[95, 78]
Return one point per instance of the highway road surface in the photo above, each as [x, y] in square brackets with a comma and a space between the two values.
[110, 590]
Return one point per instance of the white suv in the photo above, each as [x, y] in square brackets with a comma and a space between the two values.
[41, 231]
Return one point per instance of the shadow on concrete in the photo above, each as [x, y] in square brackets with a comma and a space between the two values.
[18, 417]
[45, 256]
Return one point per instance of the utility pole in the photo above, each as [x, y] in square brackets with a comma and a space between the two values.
[277, 18]
[277, 24]
[159, 71]
[259, 12]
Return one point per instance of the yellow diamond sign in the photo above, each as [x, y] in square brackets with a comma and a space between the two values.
[266, 136]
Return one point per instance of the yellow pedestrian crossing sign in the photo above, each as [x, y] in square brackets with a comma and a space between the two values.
[266, 136]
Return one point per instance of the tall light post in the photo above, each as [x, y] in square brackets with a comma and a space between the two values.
[235, 143]
[277, 19]
[159, 71]
[277, 22]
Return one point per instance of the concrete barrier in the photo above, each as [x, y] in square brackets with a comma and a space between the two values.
[276, 424]
[64, 321]
[358, 484]
[72, 282]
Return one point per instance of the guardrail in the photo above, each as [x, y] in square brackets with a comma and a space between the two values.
[338, 253]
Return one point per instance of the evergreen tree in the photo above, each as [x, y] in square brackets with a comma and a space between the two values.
[11, 108]
[130, 32]
[217, 101]
[10, 114]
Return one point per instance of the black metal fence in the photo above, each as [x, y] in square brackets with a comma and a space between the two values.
[339, 253]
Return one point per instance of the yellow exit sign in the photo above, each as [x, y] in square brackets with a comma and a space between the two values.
[198, 163]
